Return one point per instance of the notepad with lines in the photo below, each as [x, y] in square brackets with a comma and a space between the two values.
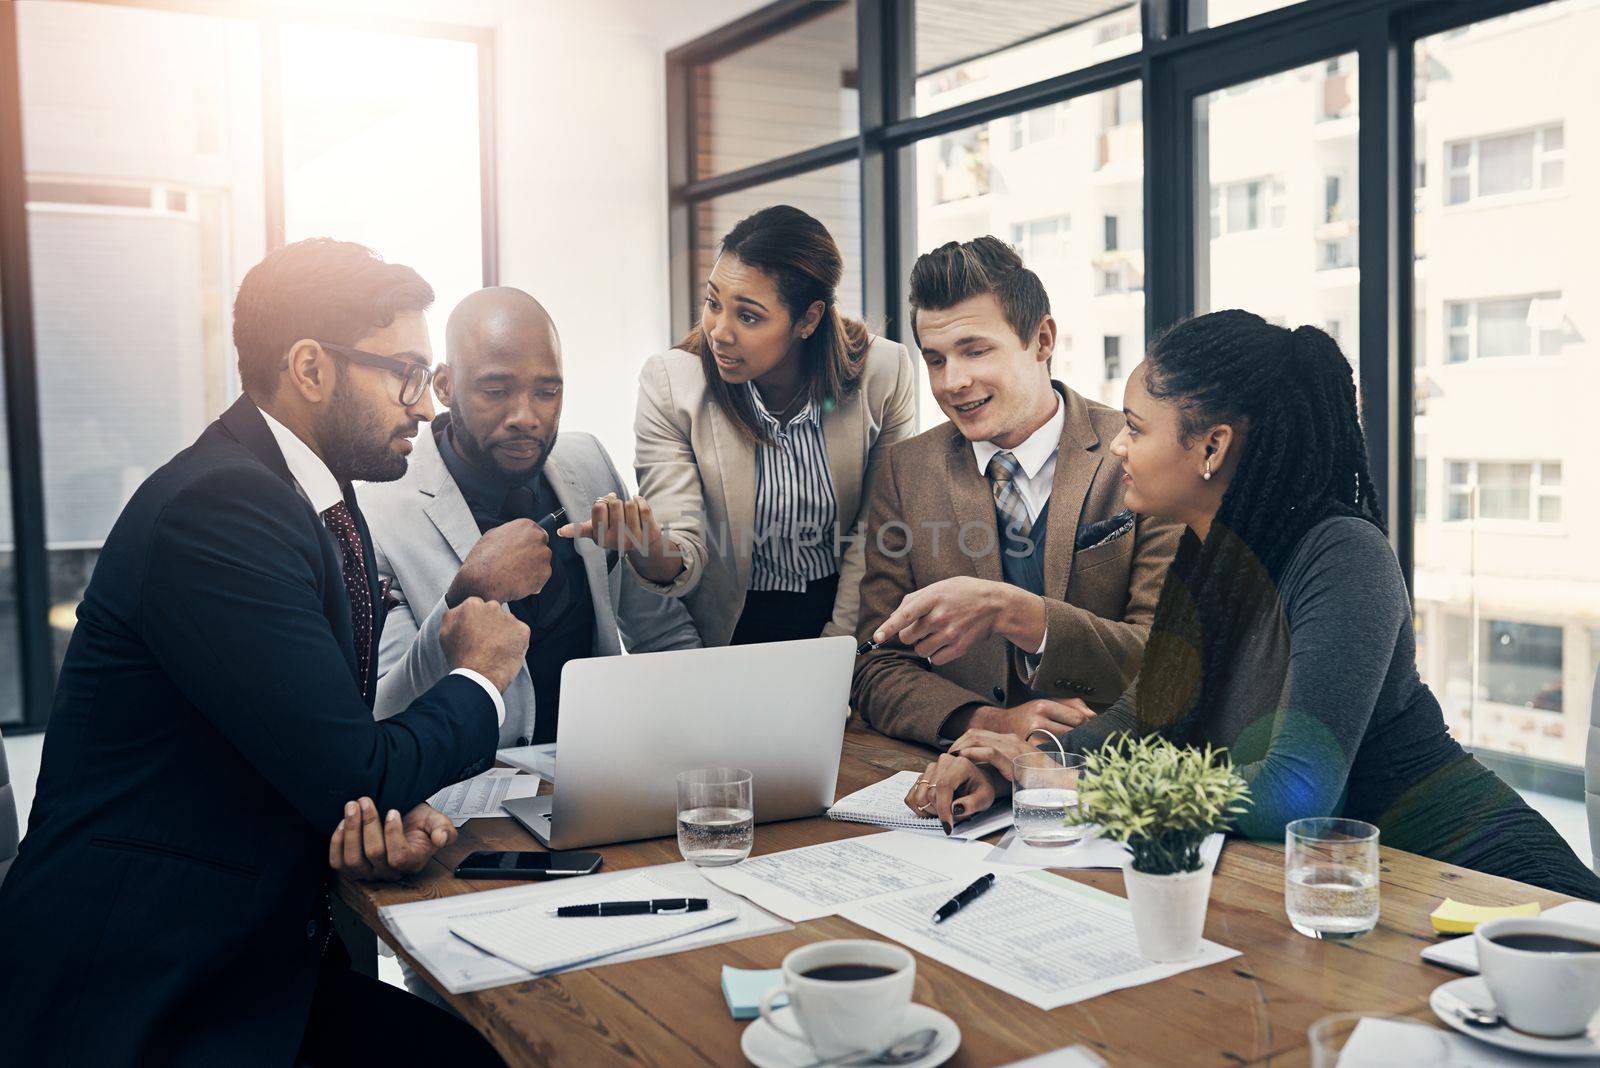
[532, 938]
[883, 804]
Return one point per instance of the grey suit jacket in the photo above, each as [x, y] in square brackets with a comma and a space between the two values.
[422, 530]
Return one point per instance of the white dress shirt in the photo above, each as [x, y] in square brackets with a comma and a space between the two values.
[318, 486]
[1037, 458]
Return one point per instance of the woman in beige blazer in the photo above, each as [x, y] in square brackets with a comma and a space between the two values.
[757, 441]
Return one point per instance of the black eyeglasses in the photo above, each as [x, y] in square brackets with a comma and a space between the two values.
[414, 378]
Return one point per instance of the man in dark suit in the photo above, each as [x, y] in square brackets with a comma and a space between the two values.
[1008, 586]
[213, 725]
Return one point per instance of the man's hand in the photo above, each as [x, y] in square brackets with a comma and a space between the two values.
[944, 620]
[482, 636]
[1057, 717]
[995, 750]
[364, 847]
[629, 526]
[510, 562]
[952, 789]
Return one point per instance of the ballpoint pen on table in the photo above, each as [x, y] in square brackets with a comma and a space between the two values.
[965, 898]
[658, 906]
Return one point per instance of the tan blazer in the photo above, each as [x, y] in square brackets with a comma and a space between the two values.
[1098, 602]
[699, 474]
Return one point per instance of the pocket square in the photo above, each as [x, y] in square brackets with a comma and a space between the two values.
[1092, 535]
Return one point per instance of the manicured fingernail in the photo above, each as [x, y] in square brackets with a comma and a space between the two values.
[947, 828]
[366, 804]
[394, 815]
[349, 808]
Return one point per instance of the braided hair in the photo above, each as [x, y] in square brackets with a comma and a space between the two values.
[1304, 459]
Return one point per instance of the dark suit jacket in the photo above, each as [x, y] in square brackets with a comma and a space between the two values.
[1098, 602]
[168, 905]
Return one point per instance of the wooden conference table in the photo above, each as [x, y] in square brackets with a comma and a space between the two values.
[1247, 1010]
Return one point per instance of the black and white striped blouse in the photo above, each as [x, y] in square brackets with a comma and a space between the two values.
[796, 512]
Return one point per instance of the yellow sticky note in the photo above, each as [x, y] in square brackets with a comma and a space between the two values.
[1453, 917]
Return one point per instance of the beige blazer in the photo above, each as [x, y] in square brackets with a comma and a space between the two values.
[699, 474]
[1099, 600]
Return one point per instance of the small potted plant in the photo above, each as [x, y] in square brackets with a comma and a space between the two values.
[1162, 800]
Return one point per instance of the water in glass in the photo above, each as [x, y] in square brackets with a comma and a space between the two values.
[713, 836]
[1330, 883]
[1044, 789]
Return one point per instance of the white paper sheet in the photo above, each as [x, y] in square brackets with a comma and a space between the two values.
[883, 804]
[532, 938]
[1039, 937]
[481, 795]
[1091, 853]
[1461, 953]
[1070, 1057]
[816, 881]
[1376, 1042]
[422, 928]
[539, 759]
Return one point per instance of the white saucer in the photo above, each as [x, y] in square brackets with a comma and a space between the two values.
[766, 1048]
[1475, 992]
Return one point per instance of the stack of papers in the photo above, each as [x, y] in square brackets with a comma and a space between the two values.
[883, 804]
[533, 937]
[481, 795]
[423, 928]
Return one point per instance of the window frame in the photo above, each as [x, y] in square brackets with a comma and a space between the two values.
[36, 656]
[1540, 491]
[1470, 171]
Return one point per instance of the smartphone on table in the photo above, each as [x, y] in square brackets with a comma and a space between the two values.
[510, 864]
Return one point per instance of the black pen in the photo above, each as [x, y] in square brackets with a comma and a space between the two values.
[965, 898]
[552, 521]
[658, 906]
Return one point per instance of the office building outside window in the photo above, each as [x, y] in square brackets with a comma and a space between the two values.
[1507, 565]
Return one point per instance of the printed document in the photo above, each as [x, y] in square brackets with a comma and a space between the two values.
[1039, 937]
[481, 795]
[883, 804]
[815, 881]
[422, 928]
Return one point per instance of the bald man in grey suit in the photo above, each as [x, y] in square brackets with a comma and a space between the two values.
[464, 522]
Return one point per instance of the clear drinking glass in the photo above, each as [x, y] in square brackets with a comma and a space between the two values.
[1385, 1042]
[716, 816]
[1330, 877]
[1044, 786]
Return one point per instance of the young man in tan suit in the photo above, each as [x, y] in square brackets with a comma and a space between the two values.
[1006, 587]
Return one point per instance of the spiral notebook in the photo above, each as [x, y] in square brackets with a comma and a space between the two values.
[883, 804]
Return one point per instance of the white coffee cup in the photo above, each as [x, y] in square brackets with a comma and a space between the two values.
[840, 1016]
[1551, 995]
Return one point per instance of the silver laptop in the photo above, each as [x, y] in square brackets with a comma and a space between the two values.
[630, 724]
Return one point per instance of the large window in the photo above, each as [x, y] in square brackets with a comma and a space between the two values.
[1508, 406]
[978, 180]
[156, 176]
[1283, 223]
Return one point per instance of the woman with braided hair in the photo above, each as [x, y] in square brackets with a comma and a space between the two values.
[1284, 628]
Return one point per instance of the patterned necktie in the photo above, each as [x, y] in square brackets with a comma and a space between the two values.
[343, 527]
[1003, 470]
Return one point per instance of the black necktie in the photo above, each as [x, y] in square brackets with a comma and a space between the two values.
[343, 527]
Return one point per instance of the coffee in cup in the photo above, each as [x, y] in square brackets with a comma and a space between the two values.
[848, 995]
[1543, 974]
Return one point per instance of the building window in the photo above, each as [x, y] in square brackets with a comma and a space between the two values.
[1113, 352]
[1240, 206]
[1040, 124]
[1419, 487]
[1505, 326]
[1111, 233]
[1522, 664]
[1335, 253]
[1520, 492]
[1505, 163]
[1333, 198]
[1039, 238]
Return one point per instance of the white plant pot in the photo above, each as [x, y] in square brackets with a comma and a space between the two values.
[1169, 912]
